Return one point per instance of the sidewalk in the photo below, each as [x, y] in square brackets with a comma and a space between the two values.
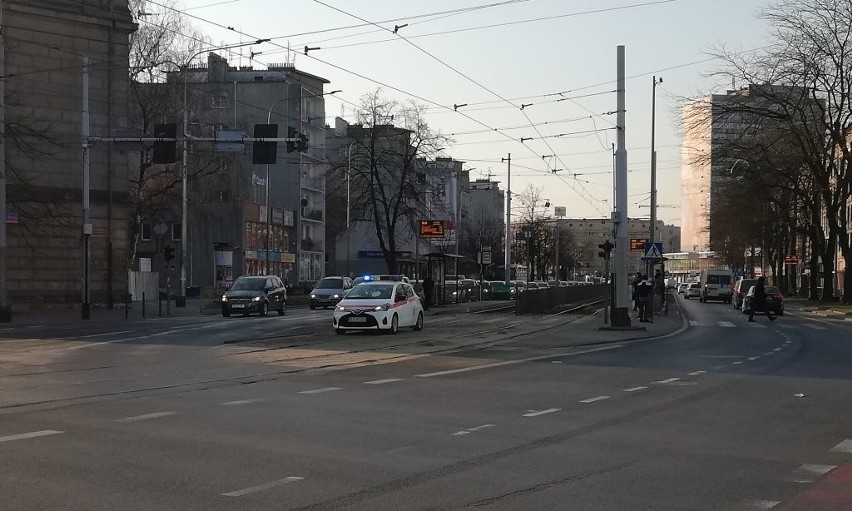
[810, 308]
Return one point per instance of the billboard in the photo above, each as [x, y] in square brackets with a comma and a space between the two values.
[431, 228]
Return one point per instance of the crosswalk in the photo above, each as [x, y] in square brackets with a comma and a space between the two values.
[762, 324]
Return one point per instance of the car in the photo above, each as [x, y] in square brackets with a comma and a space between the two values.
[471, 290]
[552, 283]
[716, 285]
[774, 301]
[379, 305]
[500, 290]
[740, 289]
[454, 291]
[681, 288]
[542, 284]
[328, 291]
[259, 294]
[486, 290]
[693, 291]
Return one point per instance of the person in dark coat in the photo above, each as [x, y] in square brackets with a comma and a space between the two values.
[428, 288]
[759, 301]
[636, 280]
[645, 291]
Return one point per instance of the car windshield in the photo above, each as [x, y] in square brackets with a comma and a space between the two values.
[250, 284]
[330, 283]
[370, 292]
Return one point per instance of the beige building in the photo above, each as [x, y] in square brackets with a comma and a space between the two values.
[46, 42]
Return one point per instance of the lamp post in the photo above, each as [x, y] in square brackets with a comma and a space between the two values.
[348, 212]
[653, 234]
[184, 234]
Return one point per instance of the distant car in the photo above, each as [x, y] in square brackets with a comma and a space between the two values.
[716, 285]
[774, 301]
[693, 291]
[499, 290]
[740, 289]
[542, 284]
[259, 294]
[328, 291]
[681, 288]
[486, 290]
[471, 289]
[379, 305]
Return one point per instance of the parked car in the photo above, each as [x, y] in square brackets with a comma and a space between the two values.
[716, 285]
[542, 284]
[328, 291]
[471, 289]
[379, 305]
[740, 289]
[693, 291]
[681, 288]
[774, 301]
[454, 291]
[486, 290]
[259, 294]
[501, 291]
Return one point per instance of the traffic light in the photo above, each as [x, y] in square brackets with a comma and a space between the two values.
[302, 144]
[606, 248]
[264, 152]
[168, 253]
[165, 152]
[291, 134]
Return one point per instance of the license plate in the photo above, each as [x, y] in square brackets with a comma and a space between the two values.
[238, 306]
[357, 319]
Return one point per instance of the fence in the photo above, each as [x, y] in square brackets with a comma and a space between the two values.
[538, 301]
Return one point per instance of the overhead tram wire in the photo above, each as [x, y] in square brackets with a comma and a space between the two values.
[472, 80]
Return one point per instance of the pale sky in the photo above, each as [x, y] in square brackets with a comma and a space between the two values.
[569, 48]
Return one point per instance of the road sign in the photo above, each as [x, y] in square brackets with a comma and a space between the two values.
[560, 211]
[653, 252]
[791, 260]
[161, 228]
[486, 258]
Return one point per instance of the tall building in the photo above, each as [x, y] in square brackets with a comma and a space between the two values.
[245, 218]
[46, 44]
[486, 219]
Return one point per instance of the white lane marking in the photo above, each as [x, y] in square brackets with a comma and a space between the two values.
[261, 487]
[320, 391]
[137, 418]
[473, 429]
[755, 504]
[766, 354]
[809, 473]
[635, 389]
[844, 446]
[382, 382]
[533, 413]
[738, 362]
[777, 350]
[815, 327]
[460, 433]
[241, 402]
[34, 434]
[692, 322]
[594, 399]
[668, 380]
[753, 358]
[697, 373]
[519, 361]
[726, 324]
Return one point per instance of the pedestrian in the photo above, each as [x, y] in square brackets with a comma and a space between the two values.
[428, 287]
[759, 300]
[644, 292]
[636, 280]
[659, 290]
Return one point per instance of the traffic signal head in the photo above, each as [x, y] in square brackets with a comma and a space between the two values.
[168, 253]
[302, 144]
[264, 152]
[291, 134]
[165, 152]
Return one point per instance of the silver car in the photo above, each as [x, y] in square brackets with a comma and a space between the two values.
[329, 291]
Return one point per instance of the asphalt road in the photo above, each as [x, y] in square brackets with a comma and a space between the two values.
[486, 411]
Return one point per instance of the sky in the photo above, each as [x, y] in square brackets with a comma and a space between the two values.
[541, 49]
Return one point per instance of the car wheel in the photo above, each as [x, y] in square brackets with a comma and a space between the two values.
[283, 309]
[312, 306]
[394, 327]
[264, 308]
[339, 331]
[226, 313]
[418, 326]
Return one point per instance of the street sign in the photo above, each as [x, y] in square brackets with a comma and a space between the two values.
[486, 258]
[560, 211]
[791, 260]
[431, 228]
[161, 228]
[486, 248]
[637, 244]
[653, 252]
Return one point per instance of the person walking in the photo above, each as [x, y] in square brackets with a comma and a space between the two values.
[428, 288]
[760, 300]
[636, 280]
[644, 292]
[659, 291]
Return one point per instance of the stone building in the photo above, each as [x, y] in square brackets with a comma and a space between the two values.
[46, 44]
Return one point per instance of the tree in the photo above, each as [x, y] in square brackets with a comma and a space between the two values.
[801, 110]
[388, 186]
[536, 229]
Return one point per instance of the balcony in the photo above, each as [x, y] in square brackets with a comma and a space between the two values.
[312, 214]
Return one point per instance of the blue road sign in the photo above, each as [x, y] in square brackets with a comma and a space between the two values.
[653, 252]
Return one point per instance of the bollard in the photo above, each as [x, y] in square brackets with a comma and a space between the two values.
[143, 304]
[168, 298]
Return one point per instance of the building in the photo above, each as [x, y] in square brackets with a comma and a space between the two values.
[46, 44]
[245, 218]
[485, 224]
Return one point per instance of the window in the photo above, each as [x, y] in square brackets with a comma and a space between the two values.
[220, 101]
[145, 232]
[177, 232]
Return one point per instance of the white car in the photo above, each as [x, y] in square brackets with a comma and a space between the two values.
[693, 291]
[379, 305]
[681, 288]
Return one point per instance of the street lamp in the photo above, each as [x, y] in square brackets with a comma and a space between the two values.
[184, 233]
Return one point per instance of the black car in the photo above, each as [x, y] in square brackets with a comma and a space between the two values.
[259, 294]
[774, 301]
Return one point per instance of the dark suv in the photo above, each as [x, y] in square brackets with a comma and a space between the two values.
[259, 294]
[740, 289]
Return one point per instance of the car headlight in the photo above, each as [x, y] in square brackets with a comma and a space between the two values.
[313, 295]
[256, 299]
[224, 298]
[382, 307]
[341, 308]
[336, 296]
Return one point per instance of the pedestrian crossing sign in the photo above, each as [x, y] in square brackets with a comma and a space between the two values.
[653, 252]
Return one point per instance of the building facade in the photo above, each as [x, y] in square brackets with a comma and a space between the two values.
[46, 44]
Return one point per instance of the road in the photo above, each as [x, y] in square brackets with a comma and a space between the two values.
[478, 411]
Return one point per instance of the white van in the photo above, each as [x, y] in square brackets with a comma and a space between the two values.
[716, 285]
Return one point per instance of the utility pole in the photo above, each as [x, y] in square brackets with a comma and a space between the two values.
[87, 225]
[5, 308]
[653, 234]
[507, 257]
[556, 268]
[621, 311]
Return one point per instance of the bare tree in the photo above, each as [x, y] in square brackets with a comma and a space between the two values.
[537, 230]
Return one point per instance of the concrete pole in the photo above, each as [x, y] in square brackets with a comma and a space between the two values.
[184, 230]
[5, 307]
[653, 231]
[621, 312]
[556, 268]
[507, 257]
[87, 225]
